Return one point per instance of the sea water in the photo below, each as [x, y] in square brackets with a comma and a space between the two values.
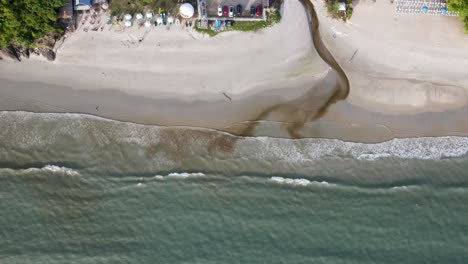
[81, 189]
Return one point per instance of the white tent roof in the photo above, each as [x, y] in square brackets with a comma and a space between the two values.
[170, 20]
[128, 17]
[159, 20]
[149, 15]
[341, 6]
[139, 16]
[147, 24]
[128, 23]
[186, 10]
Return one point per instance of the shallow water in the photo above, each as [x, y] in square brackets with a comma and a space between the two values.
[80, 189]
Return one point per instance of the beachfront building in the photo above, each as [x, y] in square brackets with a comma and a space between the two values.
[82, 5]
[209, 10]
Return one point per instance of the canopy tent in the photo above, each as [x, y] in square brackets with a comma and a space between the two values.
[105, 6]
[444, 10]
[149, 15]
[217, 24]
[170, 20]
[159, 21]
[147, 24]
[128, 17]
[186, 10]
[128, 23]
[342, 6]
[425, 9]
[139, 16]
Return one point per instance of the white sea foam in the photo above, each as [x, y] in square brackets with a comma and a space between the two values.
[185, 174]
[299, 181]
[57, 169]
[399, 187]
[256, 148]
[433, 148]
[282, 180]
[48, 168]
[179, 175]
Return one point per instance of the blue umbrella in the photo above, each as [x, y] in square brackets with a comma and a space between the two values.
[425, 9]
[444, 10]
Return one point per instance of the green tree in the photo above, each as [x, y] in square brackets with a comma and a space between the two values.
[460, 6]
[24, 21]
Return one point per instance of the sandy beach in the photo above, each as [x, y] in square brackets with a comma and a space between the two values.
[408, 76]
[173, 77]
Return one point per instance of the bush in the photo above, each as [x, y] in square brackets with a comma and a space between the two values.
[333, 6]
[208, 31]
[22, 22]
[460, 6]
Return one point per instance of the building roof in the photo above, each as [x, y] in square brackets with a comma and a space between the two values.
[342, 6]
[83, 2]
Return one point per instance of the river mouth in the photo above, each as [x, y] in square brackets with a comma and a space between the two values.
[292, 116]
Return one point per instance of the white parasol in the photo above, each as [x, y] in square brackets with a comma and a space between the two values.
[186, 10]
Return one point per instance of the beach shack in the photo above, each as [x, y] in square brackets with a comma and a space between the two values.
[82, 5]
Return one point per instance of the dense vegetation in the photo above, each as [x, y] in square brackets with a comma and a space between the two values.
[119, 7]
[460, 6]
[22, 22]
[332, 7]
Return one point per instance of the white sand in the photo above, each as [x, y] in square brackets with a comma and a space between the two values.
[176, 62]
[404, 63]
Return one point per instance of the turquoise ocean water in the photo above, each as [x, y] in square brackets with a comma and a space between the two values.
[77, 189]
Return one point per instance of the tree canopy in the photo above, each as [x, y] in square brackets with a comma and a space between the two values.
[461, 6]
[24, 21]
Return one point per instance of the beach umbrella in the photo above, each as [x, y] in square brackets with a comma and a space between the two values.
[425, 9]
[128, 17]
[128, 23]
[149, 15]
[170, 20]
[159, 20]
[139, 16]
[186, 10]
[147, 24]
[444, 10]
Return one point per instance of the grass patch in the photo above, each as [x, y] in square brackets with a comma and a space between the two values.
[208, 31]
[273, 17]
[119, 7]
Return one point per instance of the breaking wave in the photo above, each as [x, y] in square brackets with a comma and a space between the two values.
[426, 148]
[298, 181]
[47, 168]
[180, 175]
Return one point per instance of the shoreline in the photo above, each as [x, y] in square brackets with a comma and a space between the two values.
[283, 105]
[219, 143]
